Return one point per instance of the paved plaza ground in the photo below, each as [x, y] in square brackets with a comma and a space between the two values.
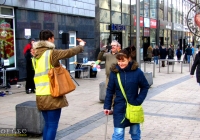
[172, 109]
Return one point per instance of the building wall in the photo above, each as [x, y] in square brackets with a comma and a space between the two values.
[39, 20]
[66, 15]
[74, 7]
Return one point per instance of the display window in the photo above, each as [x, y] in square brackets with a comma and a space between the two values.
[7, 38]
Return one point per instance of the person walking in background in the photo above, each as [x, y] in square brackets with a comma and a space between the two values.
[156, 54]
[109, 58]
[189, 53]
[193, 52]
[195, 65]
[50, 106]
[30, 85]
[178, 54]
[163, 54]
[135, 86]
[149, 53]
[170, 53]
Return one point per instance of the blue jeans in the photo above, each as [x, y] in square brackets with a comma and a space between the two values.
[51, 118]
[134, 131]
[155, 58]
[188, 58]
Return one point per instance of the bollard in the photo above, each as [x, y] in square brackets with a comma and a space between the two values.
[182, 67]
[189, 67]
[144, 66]
[154, 69]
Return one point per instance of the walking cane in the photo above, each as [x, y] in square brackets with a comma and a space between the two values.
[107, 112]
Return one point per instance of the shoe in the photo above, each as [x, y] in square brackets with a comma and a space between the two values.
[2, 94]
[27, 91]
[33, 91]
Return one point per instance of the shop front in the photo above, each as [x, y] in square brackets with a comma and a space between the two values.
[7, 43]
[178, 37]
[165, 33]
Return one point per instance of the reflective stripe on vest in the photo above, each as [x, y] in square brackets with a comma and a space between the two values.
[41, 79]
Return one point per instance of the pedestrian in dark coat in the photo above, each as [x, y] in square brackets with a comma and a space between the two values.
[195, 65]
[135, 86]
[30, 85]
[163, 55]
[189, 53]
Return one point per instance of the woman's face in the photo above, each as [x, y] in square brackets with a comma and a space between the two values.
[123, 63]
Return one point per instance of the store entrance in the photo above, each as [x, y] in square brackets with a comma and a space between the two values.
[146, 44]
[161, 41]
[116, 36]
[180, 44]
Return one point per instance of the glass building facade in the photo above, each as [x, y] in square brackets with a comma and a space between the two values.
[162, 22]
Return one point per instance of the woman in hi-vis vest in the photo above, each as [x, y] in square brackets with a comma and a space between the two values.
[49, 106]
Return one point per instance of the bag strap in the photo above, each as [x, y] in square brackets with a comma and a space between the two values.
[50, 60]
[121, 87]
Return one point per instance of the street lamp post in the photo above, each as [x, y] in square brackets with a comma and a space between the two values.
[138, 32]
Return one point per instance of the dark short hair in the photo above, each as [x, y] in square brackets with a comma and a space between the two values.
[45, 34]
[122, 54]
[132, 51]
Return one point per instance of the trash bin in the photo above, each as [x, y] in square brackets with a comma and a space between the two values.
[93, 74]
[102, 91]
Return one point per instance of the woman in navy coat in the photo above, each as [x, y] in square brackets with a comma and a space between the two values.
[133, 82]
[196, 65]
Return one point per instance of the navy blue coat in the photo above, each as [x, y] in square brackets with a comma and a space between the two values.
[132, 79]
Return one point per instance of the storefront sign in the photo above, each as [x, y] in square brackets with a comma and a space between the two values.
[153, 23]
[193, 20]
[146, 32]
[146, 22]
[141, 21]
[178, 27]
[27, 32]
[165, 25]
[117, 27]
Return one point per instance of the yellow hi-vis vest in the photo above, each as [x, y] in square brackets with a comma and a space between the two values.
[41, 79]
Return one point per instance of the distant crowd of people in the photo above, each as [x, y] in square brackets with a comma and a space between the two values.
[169, 53]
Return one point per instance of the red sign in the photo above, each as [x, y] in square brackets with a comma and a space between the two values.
[146, 32]
[153, 23]
[141, 21]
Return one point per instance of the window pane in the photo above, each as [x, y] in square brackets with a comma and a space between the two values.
[6, 11]
[104, 16]
[169, 10]
[105, 4]
[104, 39]
[141, 8]
[161, 9]
[126, 6]
[104, 27]
[116, 5]
[125, 19]
[153, 7]
[133, 7]
[72, 40]
[146, 8]
[7, 41]
[116, 17]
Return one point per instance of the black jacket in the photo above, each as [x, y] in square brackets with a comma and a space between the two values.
[156, 52]
[196, 64]
[28, 56]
